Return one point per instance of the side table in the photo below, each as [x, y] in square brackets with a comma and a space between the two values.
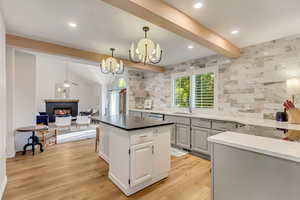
[34, 139]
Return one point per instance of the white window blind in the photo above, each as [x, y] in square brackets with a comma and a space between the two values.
[203, 90]
[182, 91]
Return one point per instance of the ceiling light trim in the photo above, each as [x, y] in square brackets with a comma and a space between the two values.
[198, 5]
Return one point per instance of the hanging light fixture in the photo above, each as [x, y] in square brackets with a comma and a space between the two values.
[111, 65]
[146, 51]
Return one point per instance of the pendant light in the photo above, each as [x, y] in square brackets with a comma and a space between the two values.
[146, 50]
[111, 65]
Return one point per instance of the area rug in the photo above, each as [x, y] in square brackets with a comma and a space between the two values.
[76, 135]
[178, 152]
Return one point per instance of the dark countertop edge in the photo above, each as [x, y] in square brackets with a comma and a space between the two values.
[138, 128]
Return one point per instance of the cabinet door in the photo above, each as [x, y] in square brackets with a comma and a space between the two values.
[173, 135]
[135, 114]
[199, 139]
[104, 142]
[183, 136]
[141, 163]
[162, 150]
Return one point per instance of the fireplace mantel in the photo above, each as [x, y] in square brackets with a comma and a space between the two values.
[61, 100]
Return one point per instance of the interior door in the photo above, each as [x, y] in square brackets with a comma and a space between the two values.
[141, 163]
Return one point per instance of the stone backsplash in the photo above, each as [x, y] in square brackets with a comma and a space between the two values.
[252, 85]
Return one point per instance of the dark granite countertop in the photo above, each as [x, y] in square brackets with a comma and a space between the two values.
[130, 123]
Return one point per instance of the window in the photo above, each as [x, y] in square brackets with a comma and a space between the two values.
[200, 87]
[182, 91]
[122, 83]
[204, 90]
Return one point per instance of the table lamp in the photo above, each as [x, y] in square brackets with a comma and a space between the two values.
[293, 87]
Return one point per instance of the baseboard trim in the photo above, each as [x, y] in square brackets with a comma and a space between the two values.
[2, 187]
[131, 190]
[103, 156]
[11, 155]
[116, 181]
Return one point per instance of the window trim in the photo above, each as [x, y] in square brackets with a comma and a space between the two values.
[174, 77]
[192, 74]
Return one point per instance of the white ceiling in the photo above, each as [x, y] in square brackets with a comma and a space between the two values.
[88, 71]
[100, 26]
[258, 20]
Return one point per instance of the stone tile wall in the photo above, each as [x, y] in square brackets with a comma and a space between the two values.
[252, 85]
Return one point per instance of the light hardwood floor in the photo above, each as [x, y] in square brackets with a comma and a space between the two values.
[74, 171]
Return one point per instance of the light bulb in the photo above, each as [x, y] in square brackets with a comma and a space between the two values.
[66, 84]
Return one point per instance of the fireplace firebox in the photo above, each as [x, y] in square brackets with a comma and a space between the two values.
[62, 111]
[56, 107]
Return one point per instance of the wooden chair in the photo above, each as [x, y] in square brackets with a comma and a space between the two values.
[97, 138]
[48, 137]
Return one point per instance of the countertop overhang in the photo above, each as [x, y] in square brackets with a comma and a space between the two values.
[269, 146]
[238, 119]
[130, 123]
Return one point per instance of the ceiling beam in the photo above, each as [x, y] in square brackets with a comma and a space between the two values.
[46, 47]
[162, 14]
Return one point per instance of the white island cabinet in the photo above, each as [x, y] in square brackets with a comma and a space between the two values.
[138, 152]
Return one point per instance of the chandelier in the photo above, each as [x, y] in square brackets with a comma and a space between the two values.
[111, 65]
[146, 51]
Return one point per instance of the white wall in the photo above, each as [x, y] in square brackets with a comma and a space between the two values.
[31, 79]
[87, 93]
[10, 70]
[24, 94]
[51, 71]
[3, 133]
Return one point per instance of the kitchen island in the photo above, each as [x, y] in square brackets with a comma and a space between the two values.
[137, 150]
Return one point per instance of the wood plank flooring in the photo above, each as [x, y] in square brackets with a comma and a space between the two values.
[74, 171]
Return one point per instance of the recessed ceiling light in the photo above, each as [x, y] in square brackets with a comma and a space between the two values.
[198, 5]
[72, 24]
[234, 32]
[190, 46]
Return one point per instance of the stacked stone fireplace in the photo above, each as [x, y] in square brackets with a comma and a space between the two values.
[58, 107]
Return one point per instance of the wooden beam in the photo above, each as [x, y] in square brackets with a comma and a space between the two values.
[161, 14]
[56, 49]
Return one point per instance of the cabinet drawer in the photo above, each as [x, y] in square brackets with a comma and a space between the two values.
[135, 113]
[178, 120]
[223, 125]
[203, 123]
[145, 115]
[141, 138]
